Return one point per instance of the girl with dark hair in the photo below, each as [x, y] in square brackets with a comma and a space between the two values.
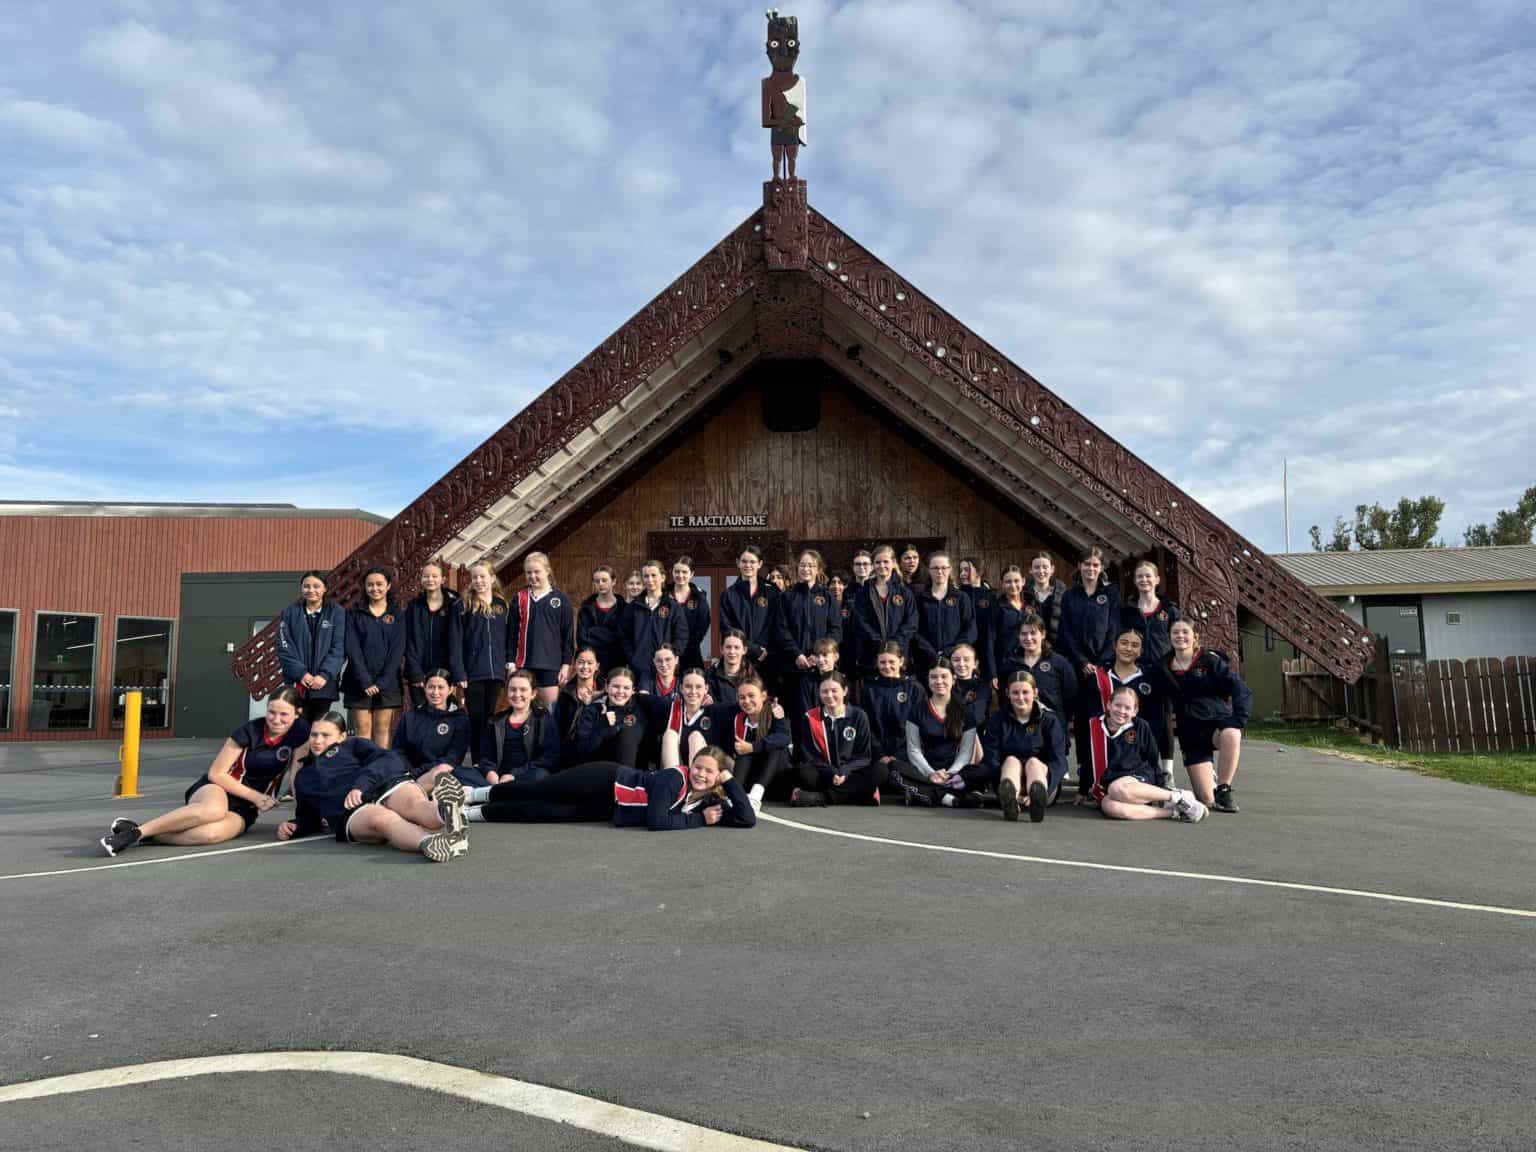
[836, 766]
[581, 689]
[909, 566]
[884, 611]
[749, 604]
[940, 746]
[311, 646]
[1128, 670]
[1211, 706]
[527, 732]
[1150, 615]
[841, 585]
[888, 697]
[1090, 613]
[724, 674]
[615, 727]
[433, 738]
[370, 686]
[702, 795]
[778, 576]
[240, 784]
[971, 579]
[1044, 594]
[970, 689]
[480, 665]
[1055, 681]
[365, 795]
[758, 734]
[652, 619]
[824, 657]
[598, 621]
[685, 721]
[1125, 768]
[806, 614]
[634, 588]
[1008, 612]
[945, 616]
[431, 630]
[1025, 750]
[661, 679]
[694, 603]
[541, 631]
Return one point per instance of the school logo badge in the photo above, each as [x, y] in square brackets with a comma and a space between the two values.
[762, 601]
[325, 623]
[704, 724]
[970, 697]
[330, 751]
[629, 720]
[1144, 688]
[820, 600]
[1045, 665]
[1102, 599]
[901, 697]
[554, 602]
[849, 732]
[1130, 737]
[284, 755]
[949, 601]
[1162, 615]
[897, 599]
[1031, 729]
[389, 617]
[442, 729]
[983, 603]
[663, 611]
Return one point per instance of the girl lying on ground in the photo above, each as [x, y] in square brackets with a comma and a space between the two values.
[368, 795]
[238, 785]
[672, 798]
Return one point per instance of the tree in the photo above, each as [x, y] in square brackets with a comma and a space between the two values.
[1412, 524]
[1511, 526]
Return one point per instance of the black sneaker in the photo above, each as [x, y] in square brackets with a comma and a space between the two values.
[115, 842]
[970, 800]
[1225, 801]
[1008, 797]
[1037, 802]
[121, 823]
[805, 798]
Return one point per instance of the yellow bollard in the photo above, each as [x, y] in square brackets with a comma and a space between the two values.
[128, 750]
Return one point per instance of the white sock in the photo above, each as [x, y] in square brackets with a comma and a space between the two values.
[947, 800]
[755, 792]
[475, 815]
[477, 796]
[1168, 767]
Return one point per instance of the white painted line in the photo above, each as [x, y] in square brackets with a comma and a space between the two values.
[630, 1125]
[168, 859]
[1391, 897]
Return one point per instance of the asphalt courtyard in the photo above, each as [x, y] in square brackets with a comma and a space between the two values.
[1080, 984]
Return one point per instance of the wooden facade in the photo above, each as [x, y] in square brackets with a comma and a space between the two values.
[117, 566]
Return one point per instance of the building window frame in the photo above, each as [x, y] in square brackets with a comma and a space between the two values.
[114, 723]
[8, 716]
[33, 693]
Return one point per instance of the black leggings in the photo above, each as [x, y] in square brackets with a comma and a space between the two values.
[626, 747]
[480, 700]
[761, 767]
[313, 710]
[584, 792]
[858, 788]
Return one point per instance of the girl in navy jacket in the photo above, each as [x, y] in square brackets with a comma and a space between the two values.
[1211, 706]
[652, 619]
[1055, 680]
[1024, 749]
[1090, 616]
[684, 721]
[1044, 594]
[661, 678]
[726, 674]
[1008, 612]
[600, 620]
[311, 645]
[884, 610]
[370, 686]
[615, 727]
[434, 738]
[703, 794]
[366, 795]
[971, 689]
[755, 728]
[695, 607]
[806, 614]
[480, 666]
[837, 763]
[528, 734]
[541, 632]
[749, 605]
[241, 782]
[1151, 616]
[1130, 669]
[431, 630]
[888, 697]
[945, 616]
[940, 745]
[581, 689]
[1125, 768]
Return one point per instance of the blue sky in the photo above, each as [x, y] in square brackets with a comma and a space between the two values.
[315, 252]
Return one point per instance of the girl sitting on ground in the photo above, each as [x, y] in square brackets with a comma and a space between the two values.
[1126, 766]
[1025, 750]
[434, 737]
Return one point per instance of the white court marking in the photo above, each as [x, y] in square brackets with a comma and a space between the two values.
[1389, 897]
[629, 1125]
[167, 859]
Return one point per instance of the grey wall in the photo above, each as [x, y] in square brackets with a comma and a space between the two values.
[1492, 624]
[217, 610]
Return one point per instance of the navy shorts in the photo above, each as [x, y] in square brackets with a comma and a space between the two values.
[380, 701]
[1198, 741]
[544, 677]
[240, 806]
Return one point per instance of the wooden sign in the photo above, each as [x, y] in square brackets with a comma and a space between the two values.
[729, 520]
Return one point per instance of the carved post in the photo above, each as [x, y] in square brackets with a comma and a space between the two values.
[786, 225]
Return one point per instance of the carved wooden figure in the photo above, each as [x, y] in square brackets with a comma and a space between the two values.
[784, 94]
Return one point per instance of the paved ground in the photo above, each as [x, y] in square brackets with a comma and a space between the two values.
[781, 984]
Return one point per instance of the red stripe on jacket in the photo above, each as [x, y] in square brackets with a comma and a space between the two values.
[817, 725]
[1098, 749]
[524, 604]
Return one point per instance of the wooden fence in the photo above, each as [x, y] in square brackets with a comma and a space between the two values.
[1480, 705]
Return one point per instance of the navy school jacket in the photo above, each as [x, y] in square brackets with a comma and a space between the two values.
[1151, 697]
[431, 638]
[876, 620]
[299, 657]
[976, 694]
[732, 724]
[941, 624]
[541, 633]
[1088, 623]
[322, 782]
[1001, 636]
[429, 736]
[596, 739]
[1055, 681]
[375, 651]
[837, 746]
[753, 614]
[601, 631]
[806, 614]
[1207, 692]
[699, 616]
[1048, 609]
[887, 700]
[1043, 736]
[1153, 628]
[983, 599]
[643, 629]
[527, 753]
[658, 801]
[722, 689]
[1129, 751]
[647, 684]
[262, 760]
[482, 653]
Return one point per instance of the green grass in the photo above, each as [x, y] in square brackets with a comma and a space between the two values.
[1511, 771]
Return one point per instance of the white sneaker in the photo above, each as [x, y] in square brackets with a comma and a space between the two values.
[756, 802]
[1188, 809]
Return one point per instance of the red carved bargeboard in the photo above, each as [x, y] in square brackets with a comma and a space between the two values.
[1217, 568]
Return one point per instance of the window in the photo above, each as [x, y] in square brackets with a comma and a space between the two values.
[142, 660]
[1399, 623]
[63, 673]
[7, 666]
